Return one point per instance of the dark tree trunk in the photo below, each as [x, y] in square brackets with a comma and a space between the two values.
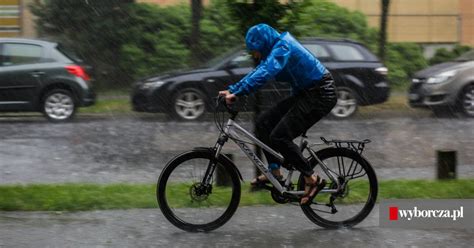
[383, 28]
[196, 8]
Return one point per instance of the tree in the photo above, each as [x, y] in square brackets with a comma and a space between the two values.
[383, 28]
[196, 10]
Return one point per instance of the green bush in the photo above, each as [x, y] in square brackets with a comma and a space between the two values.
[444, 55]
[403, 60]
[322, 18]
[161, 37]
[155, 39]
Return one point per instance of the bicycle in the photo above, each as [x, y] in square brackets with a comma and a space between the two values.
[204, 203]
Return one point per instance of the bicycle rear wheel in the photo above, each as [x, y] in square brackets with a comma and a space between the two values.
[356, 198]
[188, 203]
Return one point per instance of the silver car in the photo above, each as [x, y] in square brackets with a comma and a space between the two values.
[445, 87]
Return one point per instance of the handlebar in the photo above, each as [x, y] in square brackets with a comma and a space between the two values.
[221, 101]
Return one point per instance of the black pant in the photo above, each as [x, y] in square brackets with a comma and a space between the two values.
[291, 117]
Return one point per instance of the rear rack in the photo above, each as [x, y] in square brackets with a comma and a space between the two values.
[355, 145]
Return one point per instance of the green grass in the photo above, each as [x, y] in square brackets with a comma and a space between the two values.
[118, 102]
[106, 106]
[82, 197]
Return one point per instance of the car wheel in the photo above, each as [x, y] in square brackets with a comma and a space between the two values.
[346, 103]
[188, 104]
[58, 105]
[467, 101]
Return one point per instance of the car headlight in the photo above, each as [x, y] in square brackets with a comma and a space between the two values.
[441, 77]
[149, 85]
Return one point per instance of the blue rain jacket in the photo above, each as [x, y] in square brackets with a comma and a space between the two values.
[283, 58]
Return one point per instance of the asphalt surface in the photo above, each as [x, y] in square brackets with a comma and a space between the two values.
[135, 149]
[284, 226]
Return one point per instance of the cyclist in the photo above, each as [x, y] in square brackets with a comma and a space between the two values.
[282, 57]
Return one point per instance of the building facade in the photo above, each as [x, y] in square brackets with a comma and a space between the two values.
[421, 21]
[15, 19]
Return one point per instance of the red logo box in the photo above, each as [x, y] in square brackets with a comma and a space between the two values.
[393, 213]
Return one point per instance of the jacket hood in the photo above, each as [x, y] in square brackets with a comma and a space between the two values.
[261, 38]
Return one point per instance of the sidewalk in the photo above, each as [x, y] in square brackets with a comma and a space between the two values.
[282, 226]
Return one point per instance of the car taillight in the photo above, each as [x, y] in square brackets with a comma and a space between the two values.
[382, 71]
[78, 71]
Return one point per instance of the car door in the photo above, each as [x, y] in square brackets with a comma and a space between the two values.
[20, 77]
[358, 70]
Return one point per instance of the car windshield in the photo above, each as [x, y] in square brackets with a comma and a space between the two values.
[466, 56]
[216, 61]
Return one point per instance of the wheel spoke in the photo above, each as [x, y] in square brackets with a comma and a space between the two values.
[198, 102]
[182, 103]
[349, 102]
[189, 105]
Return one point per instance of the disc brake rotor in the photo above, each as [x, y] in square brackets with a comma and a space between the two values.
[199, 192]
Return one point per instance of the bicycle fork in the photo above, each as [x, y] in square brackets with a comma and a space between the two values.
[211, 166]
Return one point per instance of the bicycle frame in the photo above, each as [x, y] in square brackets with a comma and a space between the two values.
[232, 130]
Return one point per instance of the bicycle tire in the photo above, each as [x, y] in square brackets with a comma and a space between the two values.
[326, 154]
[227, 166]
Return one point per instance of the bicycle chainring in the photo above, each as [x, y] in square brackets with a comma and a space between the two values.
[278, 197]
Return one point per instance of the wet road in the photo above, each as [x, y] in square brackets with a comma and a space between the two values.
[284, 226]
[135, 149]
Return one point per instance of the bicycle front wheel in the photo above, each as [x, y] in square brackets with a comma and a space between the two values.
[356, 196]
[191, 204]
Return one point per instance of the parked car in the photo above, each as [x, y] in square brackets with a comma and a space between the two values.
[39, 76]
[360, 78]
[445, 87]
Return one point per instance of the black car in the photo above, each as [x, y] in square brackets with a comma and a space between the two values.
[360, 78]
[39, 76]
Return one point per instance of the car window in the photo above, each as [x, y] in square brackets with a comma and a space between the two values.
[346, 52]
[244, 60]
[18, 54]
[63, 53]
[319, 51]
